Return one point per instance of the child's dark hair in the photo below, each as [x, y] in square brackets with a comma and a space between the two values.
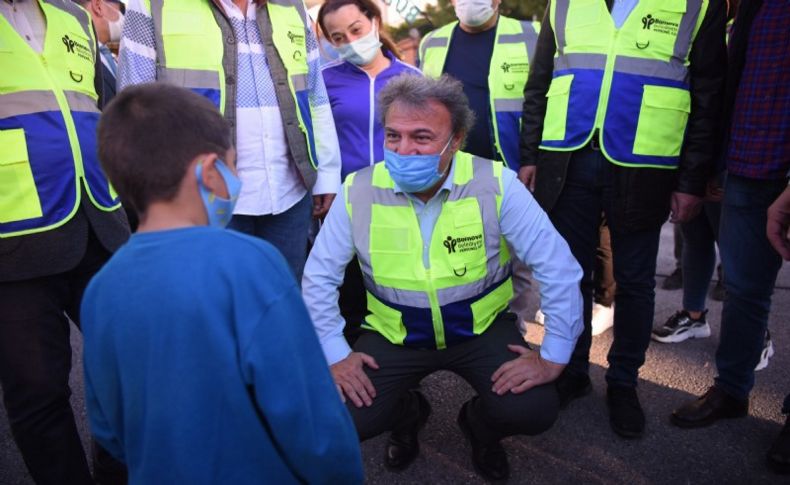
[149, 134]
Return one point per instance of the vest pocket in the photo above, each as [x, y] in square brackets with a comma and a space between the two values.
[18, 194]
[662, 121]
[557, 108]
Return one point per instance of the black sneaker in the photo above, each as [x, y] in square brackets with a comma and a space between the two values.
[680, 327]
[571, 385]
[489, 460]
[625, 413]
[778, 457]
[674, 281]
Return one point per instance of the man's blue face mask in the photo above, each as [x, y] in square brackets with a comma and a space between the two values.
[415, 173]
[219, 210]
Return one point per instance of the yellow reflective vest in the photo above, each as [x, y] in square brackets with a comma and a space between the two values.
[467, 282]
[509, 68]
[630, 85]
[48, 117]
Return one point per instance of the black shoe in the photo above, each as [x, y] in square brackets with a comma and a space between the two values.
[403, 445]
[625, 412]
[712, 406]
[571, 385]
[674, 281]
[490, 460]
[778, 457]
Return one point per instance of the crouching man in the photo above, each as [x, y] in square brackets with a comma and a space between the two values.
[431, 227]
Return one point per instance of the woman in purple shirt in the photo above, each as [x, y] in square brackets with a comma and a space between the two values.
[368, 60]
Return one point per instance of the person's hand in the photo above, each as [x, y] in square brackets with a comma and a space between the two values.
[527, 176]
[778, 226]
[526, 371]
[351, 380]
[321, 204]
[714, 191]
[685, 207]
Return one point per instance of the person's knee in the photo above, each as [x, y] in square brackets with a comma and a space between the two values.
[530, 413]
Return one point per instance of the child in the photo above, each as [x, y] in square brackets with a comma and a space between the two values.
[201, 362]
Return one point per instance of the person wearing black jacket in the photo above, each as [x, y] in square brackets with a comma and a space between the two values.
[604, 161]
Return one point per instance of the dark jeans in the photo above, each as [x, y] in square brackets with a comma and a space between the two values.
[35, 362]
[605, 287]
[286, 231]
[750, 265]
[699, 255]
[588, 192]
[491, 417]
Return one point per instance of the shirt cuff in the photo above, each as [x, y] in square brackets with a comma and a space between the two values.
[336, 349]
[327, 182]
[556, 349]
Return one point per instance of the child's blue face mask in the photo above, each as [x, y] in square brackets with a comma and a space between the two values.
[414, 173]
[219, 210]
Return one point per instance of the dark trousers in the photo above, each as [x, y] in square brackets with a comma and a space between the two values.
[699, 255]
[491, 417]
[603, 273]
[35, 362]
[750, 265]
[587, 194]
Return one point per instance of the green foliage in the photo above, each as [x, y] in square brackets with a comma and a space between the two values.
[442, 13]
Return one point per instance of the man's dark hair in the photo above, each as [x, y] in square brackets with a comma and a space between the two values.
[150, 133]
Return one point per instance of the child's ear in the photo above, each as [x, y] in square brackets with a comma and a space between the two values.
[210, 176]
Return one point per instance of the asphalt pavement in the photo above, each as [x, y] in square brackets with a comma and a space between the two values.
[581, 448]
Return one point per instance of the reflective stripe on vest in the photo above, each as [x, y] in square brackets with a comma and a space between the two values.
[467, 282]
[638, 74]
[48, 116]
[509, 68]
[189, 49]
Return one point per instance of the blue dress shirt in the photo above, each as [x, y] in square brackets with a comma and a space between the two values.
[525, 227]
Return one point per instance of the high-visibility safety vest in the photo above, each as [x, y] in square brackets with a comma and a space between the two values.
[467, 282]
[630, 84]
[513, 50]
[48, 116]
[190, 51]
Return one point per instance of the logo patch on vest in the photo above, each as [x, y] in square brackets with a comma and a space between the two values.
[515, 67]
[649, 22]
[463, 244]
[77, 48]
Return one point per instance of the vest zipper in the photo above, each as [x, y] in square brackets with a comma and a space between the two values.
[606, 85]
[436, 312]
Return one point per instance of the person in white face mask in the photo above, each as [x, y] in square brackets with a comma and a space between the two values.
[368, 61]
[107, 17]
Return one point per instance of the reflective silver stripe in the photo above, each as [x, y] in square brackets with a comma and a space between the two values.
[560, 20]
[530, 39]
[299, 81]
[508, 105]
[435, 42]
[27, 102]
[417, 299]
[688, 23]
[512, 38]
[190, 78]
[361, 209]
[673, 71]
[156, 14]
[454, 294]
[292, 3]
[580, 61]
[80, 102]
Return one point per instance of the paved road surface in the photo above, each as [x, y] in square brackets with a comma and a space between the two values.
[581, 448]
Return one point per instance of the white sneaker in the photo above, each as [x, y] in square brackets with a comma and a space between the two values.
[602, 318]
[767, 353]
[539, 317]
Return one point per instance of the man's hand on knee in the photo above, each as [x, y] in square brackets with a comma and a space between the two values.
[351, 380]
[526, 371]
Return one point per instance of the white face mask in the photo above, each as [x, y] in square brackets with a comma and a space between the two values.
[363, 50]
[474, 13]
[116, 28]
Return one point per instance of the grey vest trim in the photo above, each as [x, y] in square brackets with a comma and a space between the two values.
[27, 102]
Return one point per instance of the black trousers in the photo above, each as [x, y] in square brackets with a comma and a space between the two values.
[491, 417]
[35, 362]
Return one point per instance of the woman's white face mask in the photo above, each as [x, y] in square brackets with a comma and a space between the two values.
[363, 50]
[115, 26]
[474, 13]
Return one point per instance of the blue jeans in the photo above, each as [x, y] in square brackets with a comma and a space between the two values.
[699, 255]
[588, 193]
[750, 265]
[286, 231]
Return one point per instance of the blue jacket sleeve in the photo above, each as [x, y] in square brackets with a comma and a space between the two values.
[294, 391]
